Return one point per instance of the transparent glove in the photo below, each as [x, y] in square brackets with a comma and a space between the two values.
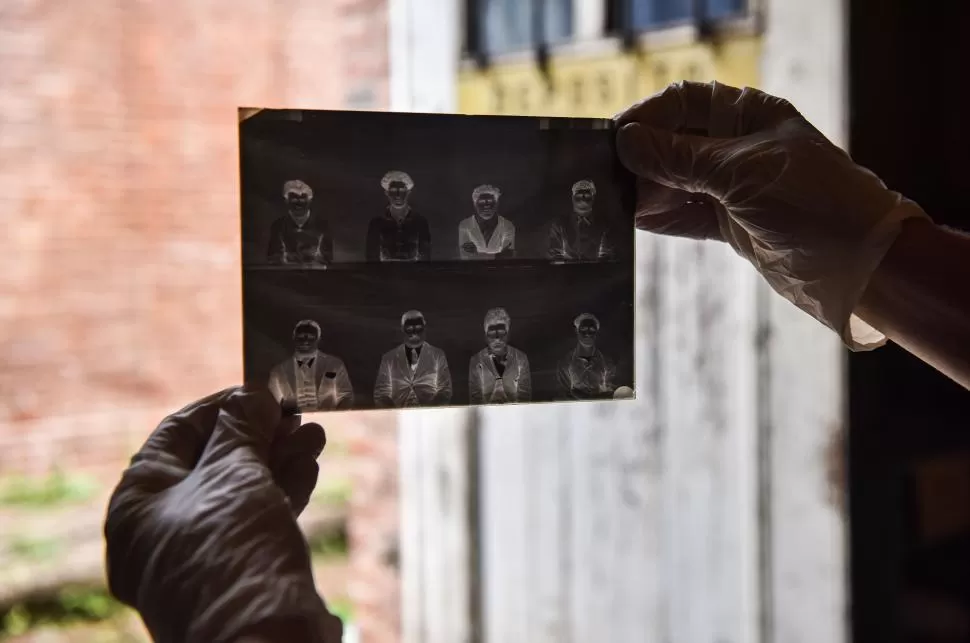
[201, 532]
[717, 162]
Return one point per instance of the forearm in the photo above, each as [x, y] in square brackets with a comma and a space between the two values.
[920, 297]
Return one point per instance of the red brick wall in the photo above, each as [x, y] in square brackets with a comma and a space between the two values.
[119, 262]
[119, 276]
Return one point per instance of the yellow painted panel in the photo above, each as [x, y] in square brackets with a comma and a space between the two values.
[600, 86]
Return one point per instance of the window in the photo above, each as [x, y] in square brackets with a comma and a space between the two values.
[556, 21]
[646, 14]
[495, 27]
[507, 26]
[651, 14]
[720, 9]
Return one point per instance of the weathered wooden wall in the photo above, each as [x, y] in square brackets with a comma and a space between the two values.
[805, 530]
[706, 511]
[626, 521]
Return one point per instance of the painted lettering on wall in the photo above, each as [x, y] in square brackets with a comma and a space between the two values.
[572, 85]
[603, 89]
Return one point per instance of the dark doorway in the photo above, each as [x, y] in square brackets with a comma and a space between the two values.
[909, 445]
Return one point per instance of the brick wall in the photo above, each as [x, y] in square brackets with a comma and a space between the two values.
[119, 269]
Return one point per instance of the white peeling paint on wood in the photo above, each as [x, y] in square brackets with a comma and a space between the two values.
[425, 51]
[435, 535]
[804, 61]
[571, 514]
[639, 521]
[809, 562]
[708, 376]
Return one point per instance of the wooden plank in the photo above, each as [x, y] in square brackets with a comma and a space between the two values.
[412, 513]
[805, 530]
[436, 538]
[424, 62]
[569, 532]
[639, 512]
[504, 536]
[708, 377]
[544, 527]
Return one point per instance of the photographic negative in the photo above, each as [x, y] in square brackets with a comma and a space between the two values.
[499, 373]
[383, 252]
[297, 237]
[486, 234]
[580, 235]
[414, 373]
[400, 233]
[309, 379]
[585, 373]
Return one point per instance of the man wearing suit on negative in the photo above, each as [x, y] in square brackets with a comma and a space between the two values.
[311, 380]
[486, 234]
[499, 373]
[414, 373]
[582, 235]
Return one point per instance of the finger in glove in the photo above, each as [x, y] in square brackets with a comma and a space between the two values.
[294, 463]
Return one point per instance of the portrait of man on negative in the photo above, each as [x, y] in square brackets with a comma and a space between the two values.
[585, 373]
[581, 235]
[499, 373]
[301, 237]
[486, 234]
[311, 380]
[414, 373]
[400, 233]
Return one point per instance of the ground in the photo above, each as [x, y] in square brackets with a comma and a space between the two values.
[51, 557]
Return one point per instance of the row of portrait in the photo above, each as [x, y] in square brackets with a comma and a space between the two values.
[416, 373]
[302, 237]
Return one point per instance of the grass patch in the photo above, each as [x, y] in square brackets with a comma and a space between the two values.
[329, 545]
[334, 492]
[34, 548]
[68, 607]
[58, 488]
[342, 609]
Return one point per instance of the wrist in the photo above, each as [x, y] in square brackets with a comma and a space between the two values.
[919, 299]
[900, 275]
[877, 266]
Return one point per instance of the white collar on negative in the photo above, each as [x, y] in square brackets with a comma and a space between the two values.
[498, 235]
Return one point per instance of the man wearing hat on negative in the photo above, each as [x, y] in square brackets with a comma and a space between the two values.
[311, 380]
[401, 233]
[581, 235]
[486, 234]
[585, 373]
[300, 237]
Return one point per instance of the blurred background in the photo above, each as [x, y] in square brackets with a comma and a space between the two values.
[765, 486]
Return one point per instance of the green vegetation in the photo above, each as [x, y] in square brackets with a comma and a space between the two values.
[339, 447]
[329, 545]
[342, 609]
[334, 492]
[34, 548]
[58, 488]
[71, 606]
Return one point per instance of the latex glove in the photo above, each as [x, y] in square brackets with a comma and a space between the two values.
[201, 532]
[746, 167]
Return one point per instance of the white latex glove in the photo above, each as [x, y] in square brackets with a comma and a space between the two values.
[717, 162]
[201, 532]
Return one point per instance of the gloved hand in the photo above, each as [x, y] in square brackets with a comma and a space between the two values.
[201, 532]
[745, 167]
